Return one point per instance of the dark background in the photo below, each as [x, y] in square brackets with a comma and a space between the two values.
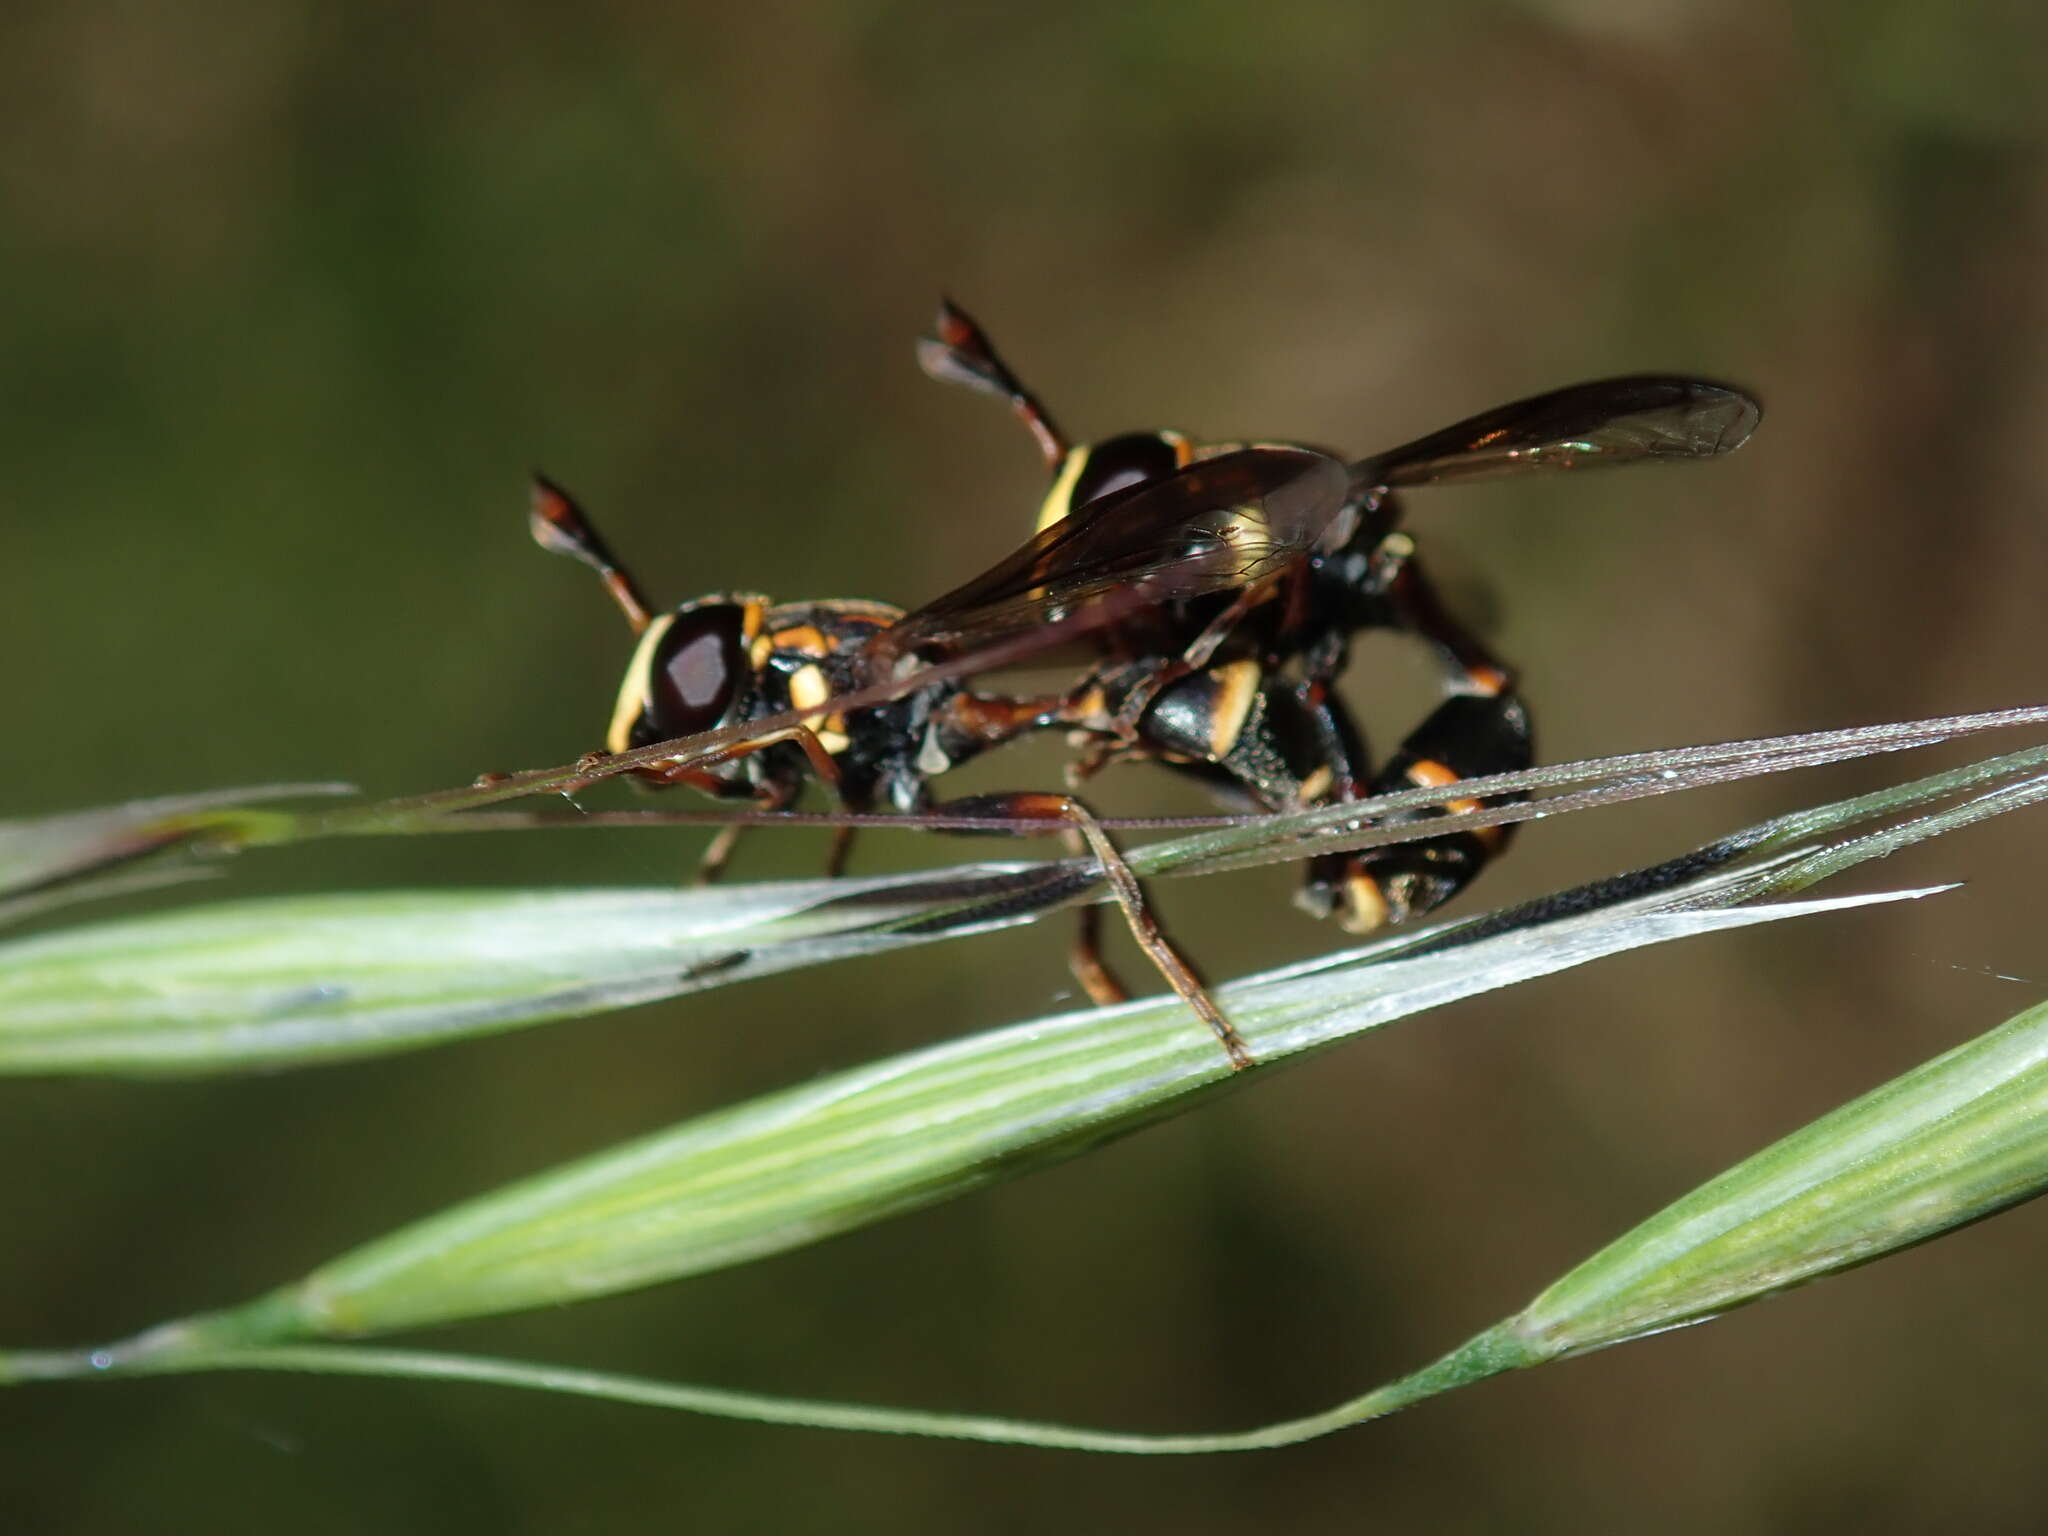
[294, 296]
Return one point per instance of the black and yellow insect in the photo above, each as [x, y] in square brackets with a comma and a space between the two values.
[1237, 687]
[1213, 591]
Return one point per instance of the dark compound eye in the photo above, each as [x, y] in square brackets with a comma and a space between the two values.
[693, 673]
[1118, 463]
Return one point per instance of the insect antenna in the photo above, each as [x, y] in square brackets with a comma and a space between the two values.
[960, 353]
[559, 526]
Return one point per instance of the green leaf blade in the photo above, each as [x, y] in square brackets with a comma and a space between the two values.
[238, 986]
[857, 1147]
[1951, 1142]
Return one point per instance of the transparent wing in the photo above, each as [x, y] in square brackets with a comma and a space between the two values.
[1217, 525]
[1583, 426]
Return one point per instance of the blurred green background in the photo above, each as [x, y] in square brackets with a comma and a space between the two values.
[294, 297]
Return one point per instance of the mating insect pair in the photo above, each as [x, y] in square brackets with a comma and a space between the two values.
[1212, 591]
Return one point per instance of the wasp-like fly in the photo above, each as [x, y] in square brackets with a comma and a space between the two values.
[1206, 595]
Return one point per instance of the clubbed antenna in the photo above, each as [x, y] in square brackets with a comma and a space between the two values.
[960, 354]
[560, 527]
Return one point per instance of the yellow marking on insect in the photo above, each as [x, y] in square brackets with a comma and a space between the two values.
[1090, 704]
[758, 653]
[632, 700]
[1368, 908]
[1488, 682]
[1317, 784]
[804, 639]
[1237, 687]
[1430, 774]
[808, 687]
[1057, 503]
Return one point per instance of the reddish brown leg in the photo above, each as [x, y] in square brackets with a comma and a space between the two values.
[814, 749]
[719, 851]
[1192, 659]
[1482, 728]
[1130, 896]
[1084, 951]
[1084, 959]
[716, 854]
[1095, 754]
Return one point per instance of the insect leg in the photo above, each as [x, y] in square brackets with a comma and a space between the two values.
[1130, 896]
[1084, 960]
[774, 795]
[970, 723]
[1192, 659]
[718, 852]
[814, 749]
[1482, 728]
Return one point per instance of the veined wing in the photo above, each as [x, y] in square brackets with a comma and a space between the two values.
[1583, 426]
[1218, 525]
